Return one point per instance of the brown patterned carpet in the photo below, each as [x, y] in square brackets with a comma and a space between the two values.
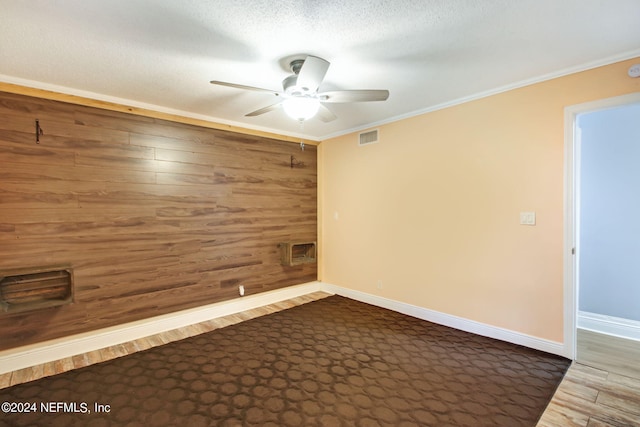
[332, 362]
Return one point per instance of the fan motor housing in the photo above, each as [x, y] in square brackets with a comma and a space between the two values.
[290, 87]
[296, 65]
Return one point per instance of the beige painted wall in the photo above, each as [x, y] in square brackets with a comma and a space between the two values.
[432, 211]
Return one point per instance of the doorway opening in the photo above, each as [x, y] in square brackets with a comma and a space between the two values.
[594, 258]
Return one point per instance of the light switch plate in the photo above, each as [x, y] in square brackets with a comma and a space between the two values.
[527, 218]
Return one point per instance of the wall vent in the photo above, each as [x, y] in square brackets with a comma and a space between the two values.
[35, 289]
[369, 137]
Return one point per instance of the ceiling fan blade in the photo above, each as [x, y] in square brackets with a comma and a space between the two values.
[264, 110]
[312, 72]
[354, 96]
[325, 114]
[237, 86]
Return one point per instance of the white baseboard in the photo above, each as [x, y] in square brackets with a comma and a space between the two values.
[48, 351]
[616, 326]
[452, 321]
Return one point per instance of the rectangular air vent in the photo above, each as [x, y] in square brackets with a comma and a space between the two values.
[369, 137]
[35, 288]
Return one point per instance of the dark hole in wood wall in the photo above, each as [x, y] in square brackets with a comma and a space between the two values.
[36, 289]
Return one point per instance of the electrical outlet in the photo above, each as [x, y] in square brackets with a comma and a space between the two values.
[379, 284]
[241, 290]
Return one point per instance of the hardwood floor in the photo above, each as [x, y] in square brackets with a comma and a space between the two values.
[602, 388]
[587, 397]
[591, 397]
[614, 354]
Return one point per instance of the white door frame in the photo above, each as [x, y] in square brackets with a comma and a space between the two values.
[571, 194]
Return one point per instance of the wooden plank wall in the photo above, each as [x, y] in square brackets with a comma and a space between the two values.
[152, 216]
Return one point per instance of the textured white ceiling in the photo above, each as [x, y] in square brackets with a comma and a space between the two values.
[162, 54]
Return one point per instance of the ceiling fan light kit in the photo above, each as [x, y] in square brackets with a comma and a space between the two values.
[301, 108]
[300, 98]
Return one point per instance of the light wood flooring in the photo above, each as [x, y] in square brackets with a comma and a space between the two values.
[614, 354]
[587, 396]
[591, 397]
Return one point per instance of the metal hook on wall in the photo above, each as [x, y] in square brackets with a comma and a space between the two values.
[39, 131]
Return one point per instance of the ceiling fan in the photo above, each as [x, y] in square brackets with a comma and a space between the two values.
[300, 97]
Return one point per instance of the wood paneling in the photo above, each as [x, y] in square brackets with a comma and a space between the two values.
[86, 117]
[153, 216]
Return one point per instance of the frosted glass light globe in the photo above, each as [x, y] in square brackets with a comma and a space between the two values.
[301, 108]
